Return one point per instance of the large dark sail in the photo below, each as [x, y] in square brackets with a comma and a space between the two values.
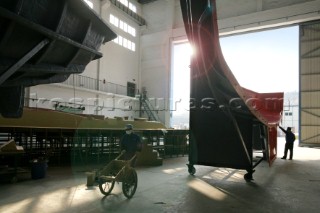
[227, 121]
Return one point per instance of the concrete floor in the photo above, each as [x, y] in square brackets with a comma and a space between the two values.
[288, 186]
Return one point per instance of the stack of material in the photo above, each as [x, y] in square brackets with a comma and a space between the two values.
[11, 147]
[10, 155]
[148, 157]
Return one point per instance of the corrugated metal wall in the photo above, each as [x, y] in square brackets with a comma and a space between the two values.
[310, 84]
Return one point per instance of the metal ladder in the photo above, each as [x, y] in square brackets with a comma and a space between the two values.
[146, 106]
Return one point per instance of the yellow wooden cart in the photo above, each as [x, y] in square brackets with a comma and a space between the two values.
[118, 171]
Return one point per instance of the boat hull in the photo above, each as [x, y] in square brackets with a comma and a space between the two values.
[44, 41]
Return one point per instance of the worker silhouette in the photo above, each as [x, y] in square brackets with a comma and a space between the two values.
[290, 138]
[131, 144]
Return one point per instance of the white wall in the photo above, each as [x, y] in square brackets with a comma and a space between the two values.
[120, 65]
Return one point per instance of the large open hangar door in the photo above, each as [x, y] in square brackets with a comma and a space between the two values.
[310, 84]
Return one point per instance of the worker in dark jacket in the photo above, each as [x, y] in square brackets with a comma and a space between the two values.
[130, 143]
[290, 138]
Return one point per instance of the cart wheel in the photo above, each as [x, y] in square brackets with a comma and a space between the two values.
[14, 179]
[191, 169]
[129, 185]
[106, 186]
[249, 176]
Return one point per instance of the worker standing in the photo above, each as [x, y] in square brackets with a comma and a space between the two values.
[290, 138]
[131, 144]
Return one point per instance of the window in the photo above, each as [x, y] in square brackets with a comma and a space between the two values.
[288, 113]
[126, 28]
[129, 5]
[132, 7]
[125, 42]
[89, 3]
[121, 25]
[124, 2]
[114, 20]
[133, 46]
[134, 32]
[120, 40]
[111, 19]
[116, 40]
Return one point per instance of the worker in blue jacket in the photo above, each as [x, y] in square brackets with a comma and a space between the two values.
[290, 138]
[131, 144]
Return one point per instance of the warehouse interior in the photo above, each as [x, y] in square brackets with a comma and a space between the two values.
[132, 83]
